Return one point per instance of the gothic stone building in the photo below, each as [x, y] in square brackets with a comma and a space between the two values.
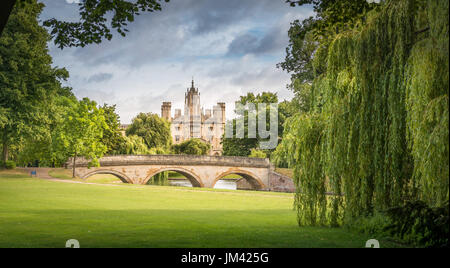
[206, 125]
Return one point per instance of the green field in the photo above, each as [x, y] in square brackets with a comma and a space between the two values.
[41, 213]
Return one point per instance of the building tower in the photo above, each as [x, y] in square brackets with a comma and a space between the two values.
[166, 111]
[207, 125]
[222, 108]
[193, 112]
[192, 101]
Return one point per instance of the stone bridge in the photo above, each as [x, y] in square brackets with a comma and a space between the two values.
[201, 171]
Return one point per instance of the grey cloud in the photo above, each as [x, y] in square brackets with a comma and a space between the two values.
[259, 79]
[159, 35]
[100, 96]
[273, 39]
[100, 77]
[155, 61]
[60, 9]
[243, 44]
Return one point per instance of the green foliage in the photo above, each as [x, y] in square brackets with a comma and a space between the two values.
[418, 224]
[309, 178]
[257, 154]
[192, 147]
[376, 133]
[134, 145]
[154, 130]
[427, 106]
[265, 97]
[112, 136]
[161, 179]
[95, 15]
[302, 101]
[81, 131]
[10, 164]
[45, 150]
[242, 147]
[285, 153]
[334, 16]
[29, 84]
[154, 151]
[375, 226]
[238, 147]
[300, 51]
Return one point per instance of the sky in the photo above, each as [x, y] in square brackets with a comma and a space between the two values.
[229, 47]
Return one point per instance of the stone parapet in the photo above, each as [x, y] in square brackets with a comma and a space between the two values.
[191, 160]
[281, 183]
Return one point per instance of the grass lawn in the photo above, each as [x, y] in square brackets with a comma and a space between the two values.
[40, 213]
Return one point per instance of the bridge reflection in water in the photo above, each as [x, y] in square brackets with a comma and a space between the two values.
[221, 184]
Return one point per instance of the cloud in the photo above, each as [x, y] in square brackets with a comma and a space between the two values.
[230, 47]
[244, 44]
[100, 77]
[99, 95]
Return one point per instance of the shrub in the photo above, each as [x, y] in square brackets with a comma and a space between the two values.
[257, 154]
[374, 225]
[10, 164]
[192, 147]
[420, 225]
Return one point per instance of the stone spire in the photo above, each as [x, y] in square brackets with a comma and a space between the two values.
[192, 89]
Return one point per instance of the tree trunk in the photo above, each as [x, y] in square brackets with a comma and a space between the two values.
[73, 168]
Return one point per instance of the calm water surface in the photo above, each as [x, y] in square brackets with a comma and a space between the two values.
[221, 184]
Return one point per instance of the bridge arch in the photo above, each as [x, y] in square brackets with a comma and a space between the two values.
[124, 178]
[251, 178]
[191, 176]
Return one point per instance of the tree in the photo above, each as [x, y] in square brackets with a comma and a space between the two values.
[81, 132]
[112, 136]
[334, 16]
[28, 82]
[237, 146]
[376, 133]
[44, 150]
[309, 41]
[257, 154]
[153, 129]
[134, 145]
[192, 147]
[95, 15]
[300, 51]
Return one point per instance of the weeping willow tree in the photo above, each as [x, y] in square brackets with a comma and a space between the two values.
[427, 104]
[377, 134]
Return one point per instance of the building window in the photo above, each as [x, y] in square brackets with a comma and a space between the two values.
[177, 138]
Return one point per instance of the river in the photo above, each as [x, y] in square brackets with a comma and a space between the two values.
[221, 184]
